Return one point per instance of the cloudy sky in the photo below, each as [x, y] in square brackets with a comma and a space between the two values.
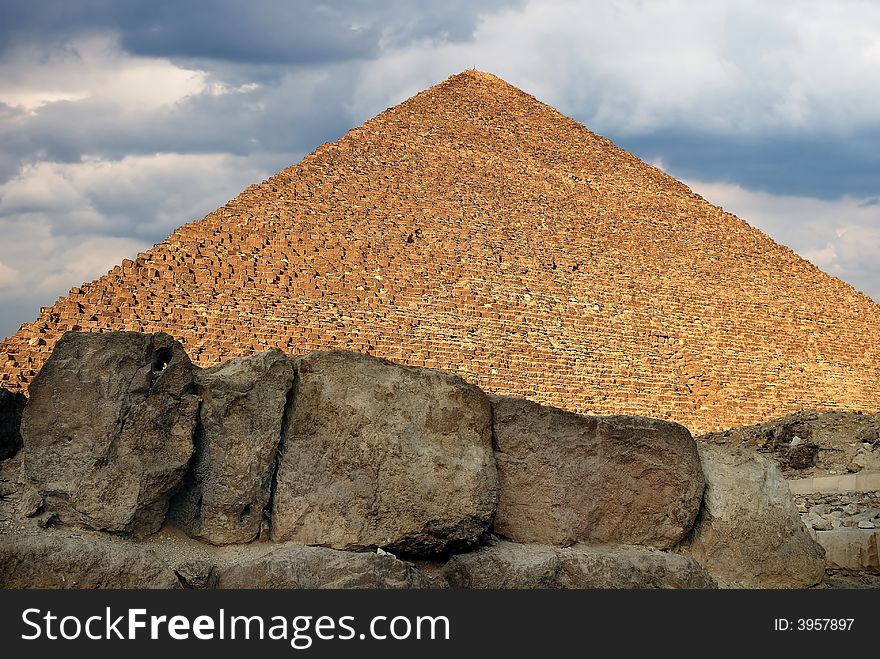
[119, 121]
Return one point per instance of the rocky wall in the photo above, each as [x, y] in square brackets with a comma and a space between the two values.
[338, 469]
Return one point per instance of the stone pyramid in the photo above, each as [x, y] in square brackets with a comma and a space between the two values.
[475, 229]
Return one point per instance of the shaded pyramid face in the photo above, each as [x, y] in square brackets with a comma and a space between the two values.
[475, 229]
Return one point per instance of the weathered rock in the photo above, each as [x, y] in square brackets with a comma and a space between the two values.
[867, 459]
[47, 519]
[816, 521]
[851, 549]
[229, 483]
[567, 478]
[197, 573]
[53, 561]
[802, 455]
[749, 533]
[300, 566]
[824, 443]
[11, 407]
[512, 565]
[30, 502]
[507, 565]
[108, 429]
[381, 455]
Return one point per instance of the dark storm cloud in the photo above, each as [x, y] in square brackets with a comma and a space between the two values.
[815, 165]
[63, 132]
[16, 310]
[277, 117]
[234, 41]
[246, 31]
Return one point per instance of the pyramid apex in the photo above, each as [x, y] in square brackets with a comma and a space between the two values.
[476, 73]
[474, 83]
[481, 76]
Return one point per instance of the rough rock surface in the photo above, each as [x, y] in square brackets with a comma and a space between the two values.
[379, 455]
[512, 565]
[824, 511]
[108, 429]
[567, 478]
[11, 408]
[851, 548]
[749, 533]
[812, 443]
[55, 561]
[197, 573]
[356, 453]
[867, 457]
[240, 418]
[299, 566]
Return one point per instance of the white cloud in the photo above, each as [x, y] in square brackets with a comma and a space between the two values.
[218, 88]
[42, 186]
[33, 99]
[64, 224]
[631, 66]
[840, 236]
[148, 195]
[45, 265]
[75, 261]
[8, 276]
[825, 257]
[95, 69]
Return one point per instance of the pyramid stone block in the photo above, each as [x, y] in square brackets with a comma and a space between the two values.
[296, 566]
[378, 455]
[108, 429]
[749, 533]
[567, 478]
[240, 419]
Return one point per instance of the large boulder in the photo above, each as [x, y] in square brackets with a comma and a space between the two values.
[50, 560]
[299, 566]
[381, 455]
[749, 533]
[11, 408]
[229, 484]
[851, 548]
[567, 478]
[108, 429]
[512, 565]
[866, 458]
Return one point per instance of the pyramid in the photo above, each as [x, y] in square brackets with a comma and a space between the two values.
[475, 229]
